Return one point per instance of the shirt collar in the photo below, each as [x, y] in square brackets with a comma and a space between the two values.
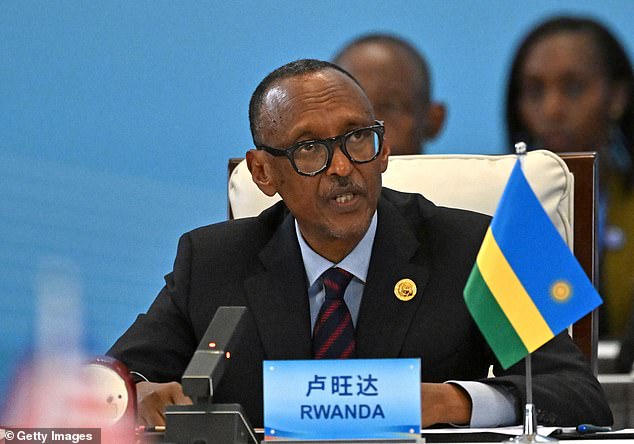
[356, 262]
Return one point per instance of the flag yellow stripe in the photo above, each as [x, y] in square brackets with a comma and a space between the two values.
[510, 294]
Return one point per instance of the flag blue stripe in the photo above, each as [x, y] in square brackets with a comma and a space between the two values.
[539, 256]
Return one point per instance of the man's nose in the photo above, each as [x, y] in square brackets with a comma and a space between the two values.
[340, 164]
[554, 105]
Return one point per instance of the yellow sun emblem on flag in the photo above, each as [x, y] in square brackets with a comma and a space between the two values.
[561, 291]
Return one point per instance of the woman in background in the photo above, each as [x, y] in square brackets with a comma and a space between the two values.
[571, 88]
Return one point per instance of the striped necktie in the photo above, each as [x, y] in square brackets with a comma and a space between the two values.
[333, 335]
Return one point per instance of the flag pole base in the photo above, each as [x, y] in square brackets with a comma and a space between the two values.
[529, 434]
[534, 438]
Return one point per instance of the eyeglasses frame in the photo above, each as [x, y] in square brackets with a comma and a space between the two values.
[378, 127]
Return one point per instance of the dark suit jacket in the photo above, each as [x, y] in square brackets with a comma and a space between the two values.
[257, 263]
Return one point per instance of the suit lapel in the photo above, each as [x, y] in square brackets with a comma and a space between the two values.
[384, 320]
[278, 297]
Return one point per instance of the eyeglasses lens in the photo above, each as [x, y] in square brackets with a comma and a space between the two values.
[311, 157]
[362, 144]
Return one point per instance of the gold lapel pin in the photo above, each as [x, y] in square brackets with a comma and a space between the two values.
[405, 290]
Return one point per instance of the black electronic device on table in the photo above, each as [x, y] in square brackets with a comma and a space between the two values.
[205, 422]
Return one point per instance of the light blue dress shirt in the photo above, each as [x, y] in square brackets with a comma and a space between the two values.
[491, 407]
[355, 263]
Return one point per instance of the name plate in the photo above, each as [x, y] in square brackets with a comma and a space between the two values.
[342, 399]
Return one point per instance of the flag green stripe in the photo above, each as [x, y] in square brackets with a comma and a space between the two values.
[495, 326]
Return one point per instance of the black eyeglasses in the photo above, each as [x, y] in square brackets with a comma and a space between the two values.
[311, 157]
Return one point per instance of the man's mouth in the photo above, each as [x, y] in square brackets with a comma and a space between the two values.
[344, 198]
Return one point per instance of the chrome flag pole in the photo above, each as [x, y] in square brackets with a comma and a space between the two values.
[529, 431]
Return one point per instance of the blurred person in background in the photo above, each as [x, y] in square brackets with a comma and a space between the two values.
[397, 80]
[571, 88]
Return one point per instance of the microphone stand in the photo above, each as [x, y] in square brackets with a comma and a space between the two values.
[205, 421]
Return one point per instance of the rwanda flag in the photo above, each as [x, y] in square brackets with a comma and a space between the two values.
[526, 285]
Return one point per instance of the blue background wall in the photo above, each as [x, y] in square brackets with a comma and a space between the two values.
[117, 118]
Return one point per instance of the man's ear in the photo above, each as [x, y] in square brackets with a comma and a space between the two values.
[384, 156]
[435, 119]
[261, 171]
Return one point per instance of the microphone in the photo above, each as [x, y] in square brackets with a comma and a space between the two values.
[204, 421]
[205, 370]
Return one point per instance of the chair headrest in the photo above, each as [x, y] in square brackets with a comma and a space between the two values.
[468, 181]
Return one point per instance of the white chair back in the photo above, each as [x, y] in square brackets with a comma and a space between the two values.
[472, 182]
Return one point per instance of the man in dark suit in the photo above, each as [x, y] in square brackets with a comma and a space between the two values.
[319, 147]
